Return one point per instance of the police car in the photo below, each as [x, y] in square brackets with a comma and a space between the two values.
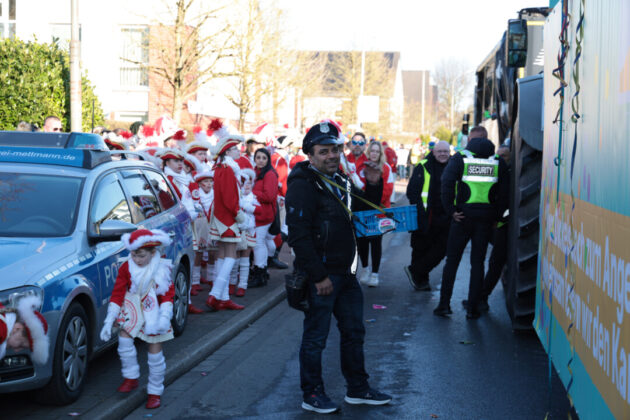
[65, 201]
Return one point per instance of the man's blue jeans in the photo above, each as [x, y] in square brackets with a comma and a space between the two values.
[346, 303]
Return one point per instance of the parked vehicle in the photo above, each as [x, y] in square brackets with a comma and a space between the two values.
[63, 210]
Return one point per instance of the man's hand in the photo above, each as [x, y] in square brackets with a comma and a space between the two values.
[324, 287]
[458, 216]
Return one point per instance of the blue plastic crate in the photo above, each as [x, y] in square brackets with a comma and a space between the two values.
[405, 219]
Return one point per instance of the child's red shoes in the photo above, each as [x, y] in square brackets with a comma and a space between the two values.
[153, 401]
[128, 385]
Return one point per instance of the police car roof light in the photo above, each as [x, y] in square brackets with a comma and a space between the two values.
[78, 158]
[52, 140]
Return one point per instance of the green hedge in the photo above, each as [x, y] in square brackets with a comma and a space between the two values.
[35, 83]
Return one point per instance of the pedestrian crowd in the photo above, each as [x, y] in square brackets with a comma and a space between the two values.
[248, 195]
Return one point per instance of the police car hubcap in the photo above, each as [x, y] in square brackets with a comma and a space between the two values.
[74, 353]
[181, 298]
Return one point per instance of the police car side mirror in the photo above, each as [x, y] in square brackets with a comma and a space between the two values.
[111, 230]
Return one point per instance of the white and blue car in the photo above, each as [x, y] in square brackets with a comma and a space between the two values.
[65, 200]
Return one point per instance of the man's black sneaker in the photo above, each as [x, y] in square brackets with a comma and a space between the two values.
[442, 310]
[369, 397]
[319, 402]
[482, 306]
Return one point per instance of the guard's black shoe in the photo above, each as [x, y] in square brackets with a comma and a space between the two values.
[482, 306]
[369, 397]
[473, 314]
[319, 402]
[442, 310]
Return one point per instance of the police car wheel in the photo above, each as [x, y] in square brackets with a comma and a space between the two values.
[70, 358]
[180, 301]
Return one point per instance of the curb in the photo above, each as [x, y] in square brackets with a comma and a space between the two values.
[115, 408]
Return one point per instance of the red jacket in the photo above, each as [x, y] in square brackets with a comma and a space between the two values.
[392, 159]
[123, 283]
[244, 162]
[282, 169]
[266, 192]
[388, 184]
[295, 160]
[358, 162]
[226, 196]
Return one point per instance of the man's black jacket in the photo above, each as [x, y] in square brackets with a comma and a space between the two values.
[321, 232]
[451, 182]
[434, 214]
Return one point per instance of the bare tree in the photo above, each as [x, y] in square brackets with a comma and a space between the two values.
[186, 49]
[453, 78]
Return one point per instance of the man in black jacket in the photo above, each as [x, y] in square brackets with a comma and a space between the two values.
[474, 194]
[428, 243]
[321, 234]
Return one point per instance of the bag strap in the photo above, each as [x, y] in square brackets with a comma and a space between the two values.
[369, 203]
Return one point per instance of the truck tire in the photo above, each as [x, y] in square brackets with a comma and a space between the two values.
[519, 280]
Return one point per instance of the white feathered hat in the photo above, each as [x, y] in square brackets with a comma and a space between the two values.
[225, 139]
[145, 238]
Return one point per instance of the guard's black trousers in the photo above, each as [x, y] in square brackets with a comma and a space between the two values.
[427, 251]
[498, 258]
[478, 232]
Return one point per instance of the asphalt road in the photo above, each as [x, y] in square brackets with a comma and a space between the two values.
[434, 367]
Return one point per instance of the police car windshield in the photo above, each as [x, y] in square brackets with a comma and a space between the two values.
[38, 205]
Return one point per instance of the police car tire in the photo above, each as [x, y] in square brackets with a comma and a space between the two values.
[180, 308]
[56, 392]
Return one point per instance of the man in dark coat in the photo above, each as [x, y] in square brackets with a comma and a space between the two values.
[321, 233]
[428, 243]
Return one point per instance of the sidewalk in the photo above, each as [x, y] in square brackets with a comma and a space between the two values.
[204, 334]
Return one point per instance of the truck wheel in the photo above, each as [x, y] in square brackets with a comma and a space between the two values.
[180, 301]
[519, 281]
[70, 358]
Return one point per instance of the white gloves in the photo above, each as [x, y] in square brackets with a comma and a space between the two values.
[240, 217]
[164, 320]
[112, 312]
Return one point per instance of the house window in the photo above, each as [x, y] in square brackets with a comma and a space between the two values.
[134, 57]
[7, 18]
[62, 32]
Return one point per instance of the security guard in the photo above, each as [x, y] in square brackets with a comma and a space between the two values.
[474, 195]
[428, 243]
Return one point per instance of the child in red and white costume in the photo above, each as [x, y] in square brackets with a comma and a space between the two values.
[244, 248]
[24, 328]
[226, 214]
[199, 149]
[147, 275]
[201, 226]
[173, 160]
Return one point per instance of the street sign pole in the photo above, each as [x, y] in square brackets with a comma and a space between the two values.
[75, 69]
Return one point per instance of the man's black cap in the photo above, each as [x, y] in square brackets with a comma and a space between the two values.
[321, 133]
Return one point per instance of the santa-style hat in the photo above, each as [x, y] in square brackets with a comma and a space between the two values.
[169, 153]
[264, 133]
[180, 138]
[36, 328]
[145, 238]
[165, 128]
[198, 145]
[192, 162]
[204, 175]
[116, 142]
[225, 139]
[248, 173]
